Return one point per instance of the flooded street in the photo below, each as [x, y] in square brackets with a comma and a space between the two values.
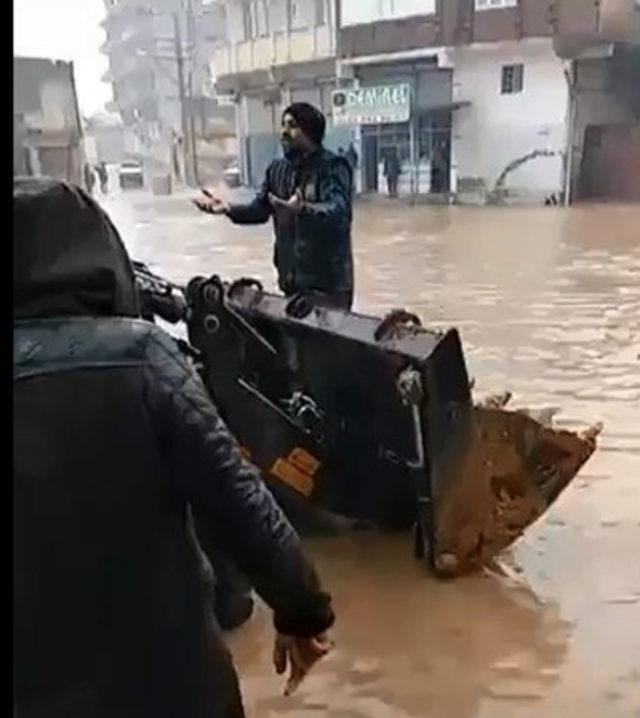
[547, 302]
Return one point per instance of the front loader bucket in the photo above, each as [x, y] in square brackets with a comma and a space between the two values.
[513, 469]
[374, 420]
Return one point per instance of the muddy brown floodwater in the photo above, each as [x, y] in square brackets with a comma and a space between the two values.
[548, 305]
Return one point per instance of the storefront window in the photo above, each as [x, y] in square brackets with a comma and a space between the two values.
[427, 170]
[434, 130]
[392, 136]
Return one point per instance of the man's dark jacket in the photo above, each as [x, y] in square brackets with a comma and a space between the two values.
[114, 434]
[312, 249]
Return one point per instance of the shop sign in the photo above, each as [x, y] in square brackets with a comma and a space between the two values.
[378, 105]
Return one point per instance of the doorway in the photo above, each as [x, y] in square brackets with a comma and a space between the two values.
[610, 166]
[434, 149]
[370, 162]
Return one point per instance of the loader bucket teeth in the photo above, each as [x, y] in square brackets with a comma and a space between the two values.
[513, 471]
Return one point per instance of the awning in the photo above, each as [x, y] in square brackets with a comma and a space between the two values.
[451, 106]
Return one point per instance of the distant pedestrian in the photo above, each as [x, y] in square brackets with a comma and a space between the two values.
[352, 157]
[89, 178]
[392, 171]
[103, 176]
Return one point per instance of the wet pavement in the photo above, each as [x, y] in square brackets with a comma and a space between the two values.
[548, 304]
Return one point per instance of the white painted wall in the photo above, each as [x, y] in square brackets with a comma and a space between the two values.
[312, 95]
[90, 147]
[260, 117]
[235, 22]
[277, 15]
[497, 129]
[58, 104]
[358, 12]
[303, 14]
[57, 108]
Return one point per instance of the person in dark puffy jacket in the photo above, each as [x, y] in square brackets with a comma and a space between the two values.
[114, 436]
[308, 192]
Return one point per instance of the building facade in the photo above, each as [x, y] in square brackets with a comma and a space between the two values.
[478, 71]
[479, 100]
[600, 43]
[159, 67]
[104, 138]
[47, 131]
[605, 113]
[277, 52]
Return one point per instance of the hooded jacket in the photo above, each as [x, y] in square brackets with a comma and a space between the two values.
[114, 435]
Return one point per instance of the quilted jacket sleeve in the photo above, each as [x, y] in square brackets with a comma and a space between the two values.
[227, 493]
[257, 211]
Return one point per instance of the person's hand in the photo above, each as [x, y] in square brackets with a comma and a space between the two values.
[301, 654]
[293, 204]
[210, 204]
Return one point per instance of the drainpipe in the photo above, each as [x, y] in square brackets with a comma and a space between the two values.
[288, 29]
[336, 19]
[570, 76]
[192, 44]
[182, 92]
[245, 139]
[412, 140]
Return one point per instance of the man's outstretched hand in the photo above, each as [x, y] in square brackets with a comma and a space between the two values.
[293, 204]
[301, 654]
[210, 203]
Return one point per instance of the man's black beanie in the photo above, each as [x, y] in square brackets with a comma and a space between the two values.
[310, 120]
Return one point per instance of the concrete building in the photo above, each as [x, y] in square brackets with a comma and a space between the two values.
[506, 95]
[276, 52]
[47, 132]
[487, 90]
[482, 100]
[159, 66]
[104, 138]
[515, 121]
[601, 45]
[457, 120]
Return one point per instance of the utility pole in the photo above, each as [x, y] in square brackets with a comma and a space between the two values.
[187, 148]
[191, 43]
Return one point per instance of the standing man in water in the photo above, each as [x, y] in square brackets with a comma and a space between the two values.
[392, 171]
[308, 195]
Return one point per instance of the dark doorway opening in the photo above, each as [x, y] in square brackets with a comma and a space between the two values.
[370, 161]
[610, 166]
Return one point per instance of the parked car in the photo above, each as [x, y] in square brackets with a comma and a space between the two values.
[231, 175]
[131, 175]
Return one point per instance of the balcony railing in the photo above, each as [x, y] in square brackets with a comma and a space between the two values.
[281, 48]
